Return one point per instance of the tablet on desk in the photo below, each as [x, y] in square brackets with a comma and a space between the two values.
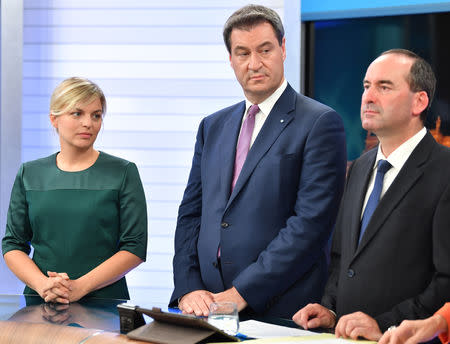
[176, 328]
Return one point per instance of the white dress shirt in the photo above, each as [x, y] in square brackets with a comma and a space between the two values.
[397, 159]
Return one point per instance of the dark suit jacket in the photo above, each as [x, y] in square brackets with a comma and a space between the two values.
[401, 269]
[273, 228]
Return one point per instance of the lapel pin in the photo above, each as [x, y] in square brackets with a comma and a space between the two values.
[281, 120]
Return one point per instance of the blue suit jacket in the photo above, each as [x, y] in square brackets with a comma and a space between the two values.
[273, 228]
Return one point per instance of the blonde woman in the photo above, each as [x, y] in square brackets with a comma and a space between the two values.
[83, 211]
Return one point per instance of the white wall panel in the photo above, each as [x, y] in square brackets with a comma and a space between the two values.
[161, 227]
[126, 52]
[109, 139]
[142, 278]
[187, 105]
[163, 67]
[162, 246]
[125, 122]
[146, 105]
[163, 211]
[125, 17]
[164, 262]
[123, 35]
[155, 157]
[145, 87]
[233, 4]
[170, 192]
[137, 70]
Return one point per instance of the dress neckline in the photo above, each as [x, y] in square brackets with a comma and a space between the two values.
[80, 171]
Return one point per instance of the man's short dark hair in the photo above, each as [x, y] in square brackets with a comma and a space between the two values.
[249, 16]
[420, 78]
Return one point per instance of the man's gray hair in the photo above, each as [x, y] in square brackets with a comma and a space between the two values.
[249, 16]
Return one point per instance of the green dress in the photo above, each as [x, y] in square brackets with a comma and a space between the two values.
[77, 220]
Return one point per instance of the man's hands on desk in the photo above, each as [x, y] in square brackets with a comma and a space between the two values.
[351, 326]
[314, 315]
[356, 325]
[197, 302]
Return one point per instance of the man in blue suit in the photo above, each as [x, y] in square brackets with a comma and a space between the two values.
[264, 187]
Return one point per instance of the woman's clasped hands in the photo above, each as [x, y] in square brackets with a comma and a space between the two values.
[58, 287]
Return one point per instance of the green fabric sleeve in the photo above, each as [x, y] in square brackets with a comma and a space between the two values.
[18, 232]
[133, 214]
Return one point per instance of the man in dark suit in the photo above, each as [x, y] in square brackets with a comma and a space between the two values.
[390, 256]
[263, 190]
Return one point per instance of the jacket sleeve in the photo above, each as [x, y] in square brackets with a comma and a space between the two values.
[186, 268]
[437, 292]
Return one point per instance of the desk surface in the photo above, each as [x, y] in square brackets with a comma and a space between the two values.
[91, 313]
[24, 318]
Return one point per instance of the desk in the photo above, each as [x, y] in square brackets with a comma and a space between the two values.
[28, 320]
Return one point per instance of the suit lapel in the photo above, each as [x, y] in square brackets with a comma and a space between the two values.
[280, 116]
[230, 133]
[362, 182]
[411, 171]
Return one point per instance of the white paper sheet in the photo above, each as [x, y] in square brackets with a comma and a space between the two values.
[303, 340]
[259, 329]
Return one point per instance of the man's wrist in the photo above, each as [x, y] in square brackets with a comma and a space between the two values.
[440, 323]
[334, 316]
[181, 298]
[241, 301]
[445, 317]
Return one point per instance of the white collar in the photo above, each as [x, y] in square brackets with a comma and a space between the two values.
[399, 156]
[267, 105]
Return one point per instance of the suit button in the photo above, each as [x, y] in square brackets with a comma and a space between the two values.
[224, 225]
[215, 264]
[350, 273]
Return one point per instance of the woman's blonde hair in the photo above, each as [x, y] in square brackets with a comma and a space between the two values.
[73, 91]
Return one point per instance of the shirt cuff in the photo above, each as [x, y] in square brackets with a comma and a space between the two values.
[333, 312]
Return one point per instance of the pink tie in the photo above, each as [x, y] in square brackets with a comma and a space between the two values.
[244, 142]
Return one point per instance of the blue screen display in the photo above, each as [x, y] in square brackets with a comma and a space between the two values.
[333, 9]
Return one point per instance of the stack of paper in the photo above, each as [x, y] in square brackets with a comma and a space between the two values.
[259, 329]
[275, 334]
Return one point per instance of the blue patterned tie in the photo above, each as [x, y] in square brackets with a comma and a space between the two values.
[383, 167]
